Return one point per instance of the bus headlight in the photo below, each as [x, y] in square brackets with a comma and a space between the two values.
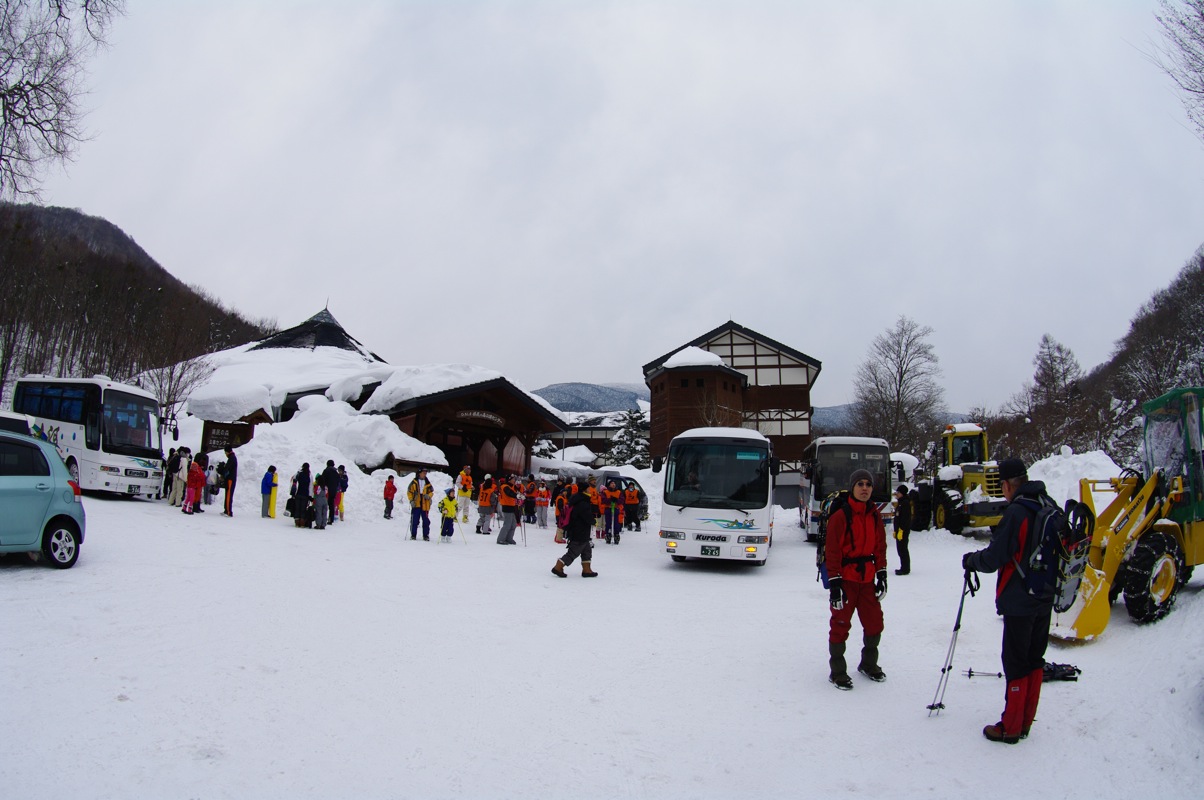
[671, 545]
[752, 540]
[115, 470]
[672, 535]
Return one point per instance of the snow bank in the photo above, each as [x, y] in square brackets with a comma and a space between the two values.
[1061, 474]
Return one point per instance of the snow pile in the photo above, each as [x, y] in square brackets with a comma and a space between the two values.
[577, 454]
[1061, 475]
[693, 357]
[229, 399]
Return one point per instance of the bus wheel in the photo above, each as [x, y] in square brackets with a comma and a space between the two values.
[678, 559]
[73, 468]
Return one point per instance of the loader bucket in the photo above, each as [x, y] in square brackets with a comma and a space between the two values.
[1091, 610]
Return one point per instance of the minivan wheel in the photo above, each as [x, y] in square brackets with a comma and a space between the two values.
[60, 544]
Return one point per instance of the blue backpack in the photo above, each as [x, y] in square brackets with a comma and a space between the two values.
[1055, 555]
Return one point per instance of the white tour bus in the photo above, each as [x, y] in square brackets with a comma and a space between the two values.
[108, 433]
[718, 502]
[829, 462]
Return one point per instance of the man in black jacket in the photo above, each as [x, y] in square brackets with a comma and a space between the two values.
[333, 484]
[581, 523]
[231, 479]
[902, 528]
[1025, 617]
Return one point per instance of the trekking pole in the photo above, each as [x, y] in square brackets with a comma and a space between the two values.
[970, 586]
[973, 673]
[523, 524]
[460, 528]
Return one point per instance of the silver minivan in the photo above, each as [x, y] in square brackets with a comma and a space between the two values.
[43, 510]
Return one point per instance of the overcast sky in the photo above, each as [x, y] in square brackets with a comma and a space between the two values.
[564, 191]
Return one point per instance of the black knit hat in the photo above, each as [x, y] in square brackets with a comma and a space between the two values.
[860, 475]
[1012, 468]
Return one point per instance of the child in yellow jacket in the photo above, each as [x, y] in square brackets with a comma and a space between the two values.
[447, 509]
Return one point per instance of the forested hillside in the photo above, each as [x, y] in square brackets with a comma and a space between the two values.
[80, 297]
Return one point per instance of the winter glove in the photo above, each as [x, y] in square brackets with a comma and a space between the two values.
[836, 593]
[966, 565]
[880, 584]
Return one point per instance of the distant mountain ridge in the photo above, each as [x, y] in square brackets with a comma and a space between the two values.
[594, 397]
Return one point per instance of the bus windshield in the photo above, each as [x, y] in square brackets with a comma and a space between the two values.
[131, 425]
[836, 463]
[717, 475]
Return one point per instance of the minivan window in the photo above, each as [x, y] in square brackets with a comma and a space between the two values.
[21, 459]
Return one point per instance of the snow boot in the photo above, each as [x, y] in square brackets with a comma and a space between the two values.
[608, 540]
[586, 572]
[616, 538]
[838, 669]
[1031, 698]
[869, 659]
[558, 570]
[1007, 730]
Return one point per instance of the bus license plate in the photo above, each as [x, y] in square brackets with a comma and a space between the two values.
[133, 489]
[710, 551]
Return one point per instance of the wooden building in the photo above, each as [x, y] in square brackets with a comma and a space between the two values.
[755, 383]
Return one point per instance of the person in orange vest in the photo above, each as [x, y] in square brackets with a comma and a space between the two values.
[464, 491]
[595, 499]
[631, 503]
[511, 507]
[543, 498]
[485, 504]
[612, 501]
[529, 499]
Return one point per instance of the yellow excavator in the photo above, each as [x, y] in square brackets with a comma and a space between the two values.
[1151, 535]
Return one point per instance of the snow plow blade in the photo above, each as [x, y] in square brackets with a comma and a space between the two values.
[1091, 610]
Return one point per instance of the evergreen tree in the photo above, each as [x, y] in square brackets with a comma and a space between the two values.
[630, 445]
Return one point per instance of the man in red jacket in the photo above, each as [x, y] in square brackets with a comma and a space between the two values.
[855, 556]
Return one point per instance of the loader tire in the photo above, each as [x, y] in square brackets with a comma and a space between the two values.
[945, 516]
[1153, 575]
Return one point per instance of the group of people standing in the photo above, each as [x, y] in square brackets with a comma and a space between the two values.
[855, 562]
[315, 501]
[192, 482]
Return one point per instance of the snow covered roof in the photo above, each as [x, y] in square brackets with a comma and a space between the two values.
[732, 329]
[577, 454]
[693, 357]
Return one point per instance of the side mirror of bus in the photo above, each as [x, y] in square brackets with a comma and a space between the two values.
[175, 433]
[656, 464]
[775, 466]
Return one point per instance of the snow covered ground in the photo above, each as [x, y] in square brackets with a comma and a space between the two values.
[208, 657]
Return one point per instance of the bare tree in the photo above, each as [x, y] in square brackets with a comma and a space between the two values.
[172, 383]
[43, 47]
[896, 394]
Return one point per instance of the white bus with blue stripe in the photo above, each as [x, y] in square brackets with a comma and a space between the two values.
[718, 499]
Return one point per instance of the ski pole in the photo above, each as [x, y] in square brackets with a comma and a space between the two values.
[523, 524]
[970, 586]
[974, 673]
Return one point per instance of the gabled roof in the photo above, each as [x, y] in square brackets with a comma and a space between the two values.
[551, 422]
[653, 366]
[320, 330]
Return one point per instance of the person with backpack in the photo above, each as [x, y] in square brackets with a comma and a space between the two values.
[447, 513]
[330, 481]
[855, 558]
[231, 481]
[579, 521]
[511, 503]
[1025, 617]
[485, 505]
[902, 528]
[420, 493]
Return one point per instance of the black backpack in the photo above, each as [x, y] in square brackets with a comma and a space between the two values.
[1055, 555]
[832, 503]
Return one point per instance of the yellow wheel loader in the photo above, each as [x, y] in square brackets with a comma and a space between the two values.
[966, 492]
[1151, 535]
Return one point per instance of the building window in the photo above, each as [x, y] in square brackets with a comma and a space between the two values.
[685, 382]
[698, 382]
